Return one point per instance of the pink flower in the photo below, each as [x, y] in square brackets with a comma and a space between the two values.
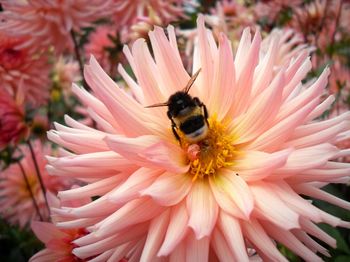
[271, 9]
[129, 11]
[65, 72]
[58, 242]
[262, 150]
[12, 123]
[50, 22]
[32, 69]
[16, 203]
[99, 42]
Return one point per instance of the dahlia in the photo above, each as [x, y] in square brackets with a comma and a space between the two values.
[58, 242]
[49, 23]
[128, 11]
[236, 189]
[24, 64]
[17, 205]
[12, 123]
[99, 42]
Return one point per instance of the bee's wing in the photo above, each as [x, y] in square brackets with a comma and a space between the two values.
[190, 83]
[157, 105]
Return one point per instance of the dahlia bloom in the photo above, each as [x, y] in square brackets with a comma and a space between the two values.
[49, 23]
[12, 123]
[59, 242]
[128, 11]
[99, 41]
[16, 204]
[24, 64]
[162, 198]
[271, 9]
[65, 72]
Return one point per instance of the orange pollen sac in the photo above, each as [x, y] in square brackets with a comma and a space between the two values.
[215, 151]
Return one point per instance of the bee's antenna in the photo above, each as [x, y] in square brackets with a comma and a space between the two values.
[191, 81]
[157, 105]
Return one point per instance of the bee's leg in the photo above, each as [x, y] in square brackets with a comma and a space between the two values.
[173, 127]
[202, 105]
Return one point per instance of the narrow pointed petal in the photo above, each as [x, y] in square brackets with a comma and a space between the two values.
[231, 229]
[267, 202]
[317, 193]
[289, 240]
[202, 209]
[176, 231]
[261, 241]
[155, 236]
[220, 246]
[135, 183]
[149, 151]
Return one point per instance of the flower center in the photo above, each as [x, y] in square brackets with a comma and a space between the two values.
[213, 152]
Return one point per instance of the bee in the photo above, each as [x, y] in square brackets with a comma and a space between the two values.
[187, 114]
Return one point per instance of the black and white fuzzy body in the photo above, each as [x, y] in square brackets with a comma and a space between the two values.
[189, 115]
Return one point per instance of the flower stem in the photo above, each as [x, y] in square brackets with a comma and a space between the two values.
[78, 57]
[35, 204]
[43, 189]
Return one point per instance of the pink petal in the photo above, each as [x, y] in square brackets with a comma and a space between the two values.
[197, 250]
[146, 72]
[256, 165]
[315, 91]
[295, 202]
[202, 208]
[172, 73]
[315, 192]
[304, 159]
[132, 213]
[136, 182]
[179, 254]
[323, 136]
[150, 151]
[276, 135]
[169, 189]
[267, 202]
[94, 189]
[99, 244]
[315, 231]
[45, 255]
[46, 231]
[289, 240]
[244, 73]
[310, 243]
[231, 229]
[224, 79]
[176, 231]
[261, 241]
[219, 244]
[155, 236]
[261, 112]
[129, 114]
[236, 189]
[206, 58]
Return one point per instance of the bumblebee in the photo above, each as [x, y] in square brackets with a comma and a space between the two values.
[187, 114]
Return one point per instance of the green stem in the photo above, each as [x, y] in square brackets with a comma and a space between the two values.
[35, 204]
[38, 173]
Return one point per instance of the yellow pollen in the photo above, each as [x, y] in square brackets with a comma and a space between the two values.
[215, 151]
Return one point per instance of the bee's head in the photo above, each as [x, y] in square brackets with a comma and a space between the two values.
[178, 102]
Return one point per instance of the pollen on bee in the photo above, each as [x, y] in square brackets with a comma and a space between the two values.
[212, 153]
